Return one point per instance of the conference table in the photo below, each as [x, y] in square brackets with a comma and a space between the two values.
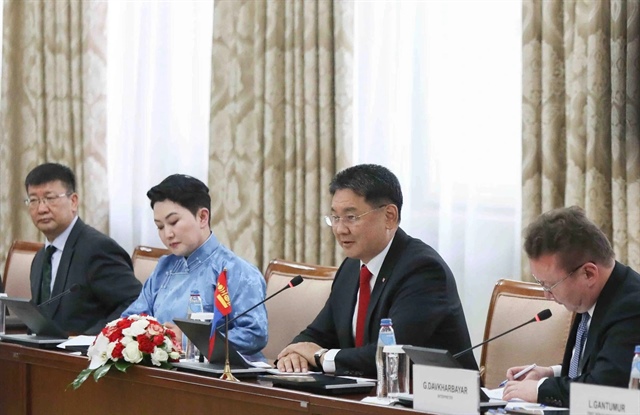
[34, 381]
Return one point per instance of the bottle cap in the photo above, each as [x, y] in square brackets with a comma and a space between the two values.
[637, 349]
[195, 292]
[385, 322]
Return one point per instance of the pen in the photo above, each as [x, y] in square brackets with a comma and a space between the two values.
[520, 373]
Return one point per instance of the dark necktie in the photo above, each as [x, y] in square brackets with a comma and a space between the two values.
[581, 337]
[363, 304]
[45, 288]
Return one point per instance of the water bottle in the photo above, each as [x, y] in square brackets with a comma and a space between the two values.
[192, 354]
[386, 337]
[634, 378]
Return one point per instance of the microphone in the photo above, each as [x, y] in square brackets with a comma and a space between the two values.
[295, 281]
[543, 315]
[71, 289]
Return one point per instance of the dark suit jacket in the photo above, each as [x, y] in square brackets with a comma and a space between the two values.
[415, 288]
[104, 274]
[613, 334]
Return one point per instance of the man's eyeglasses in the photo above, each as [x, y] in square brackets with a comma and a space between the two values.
[548, 289]
[34, 202]
[347, 220]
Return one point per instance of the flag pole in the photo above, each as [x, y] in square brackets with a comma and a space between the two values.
[226, 375]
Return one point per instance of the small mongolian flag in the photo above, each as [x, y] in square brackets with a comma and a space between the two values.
[222, 306]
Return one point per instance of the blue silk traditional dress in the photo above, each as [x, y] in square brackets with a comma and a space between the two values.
[165, 294]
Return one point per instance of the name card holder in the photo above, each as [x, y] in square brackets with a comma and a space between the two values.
[603, 400]
[445, 391]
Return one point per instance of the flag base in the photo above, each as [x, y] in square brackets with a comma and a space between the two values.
[226, 375]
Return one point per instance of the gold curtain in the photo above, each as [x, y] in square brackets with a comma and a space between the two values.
[281, 124]
[53, 106]
[581, 97]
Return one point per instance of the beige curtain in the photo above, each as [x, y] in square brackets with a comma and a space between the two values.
[52, 106]
[281, 124]
[581, 97]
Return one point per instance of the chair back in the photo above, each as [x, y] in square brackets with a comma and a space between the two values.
[293, 310]
[145, 259]
[543, 343]
[17, 269]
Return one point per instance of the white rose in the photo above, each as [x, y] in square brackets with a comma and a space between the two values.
[131, 353]
[97, 352]
[110, 348]
[113, 323]
[158, 356]
[126, 340]
[174, 355]
[136, 328]
[168, 344]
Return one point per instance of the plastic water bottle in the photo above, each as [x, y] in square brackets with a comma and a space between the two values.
[192, 353]
[634, 378]
[386, 337]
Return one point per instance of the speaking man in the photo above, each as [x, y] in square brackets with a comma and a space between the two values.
[387, 274]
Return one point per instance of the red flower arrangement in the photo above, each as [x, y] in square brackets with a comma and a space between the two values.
[127, 341]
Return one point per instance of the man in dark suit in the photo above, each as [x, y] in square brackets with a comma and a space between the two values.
[574, 262]
[75, 256]
[401, 278]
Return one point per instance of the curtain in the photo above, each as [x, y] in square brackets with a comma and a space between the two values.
[437, 102]
[281, 125]
[52, 106]
[581, 100]
[159, 83]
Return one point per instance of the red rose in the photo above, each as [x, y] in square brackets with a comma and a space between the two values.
[124, 323]
[145, 344]
[158, 340]
[117, 351]
[115, 335]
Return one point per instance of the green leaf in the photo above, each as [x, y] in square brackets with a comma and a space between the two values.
[102, 370]
[122, 365]
[79, 380]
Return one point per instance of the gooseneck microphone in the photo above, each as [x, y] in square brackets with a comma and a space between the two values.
[543, 315]
[295, 281]
[71, 289]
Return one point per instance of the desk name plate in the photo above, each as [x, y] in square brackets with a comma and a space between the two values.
[445, 390]
[603, 400]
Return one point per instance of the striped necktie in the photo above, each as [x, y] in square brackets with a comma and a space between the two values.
[581, 337]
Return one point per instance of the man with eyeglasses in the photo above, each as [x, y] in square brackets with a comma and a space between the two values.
[573, 261]
[75, 255]
[387, 274]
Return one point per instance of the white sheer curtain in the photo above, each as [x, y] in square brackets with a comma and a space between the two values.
[439, 102]
[159, 79]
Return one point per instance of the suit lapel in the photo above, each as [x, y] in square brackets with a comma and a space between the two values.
[604, 303]
[65, 261]
[348, 295]
[395, 251]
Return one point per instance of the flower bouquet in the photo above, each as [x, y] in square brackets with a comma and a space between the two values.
[130, 340]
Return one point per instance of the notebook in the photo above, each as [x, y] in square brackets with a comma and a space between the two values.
[47, 334]
[321, 384]
[198, 332]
